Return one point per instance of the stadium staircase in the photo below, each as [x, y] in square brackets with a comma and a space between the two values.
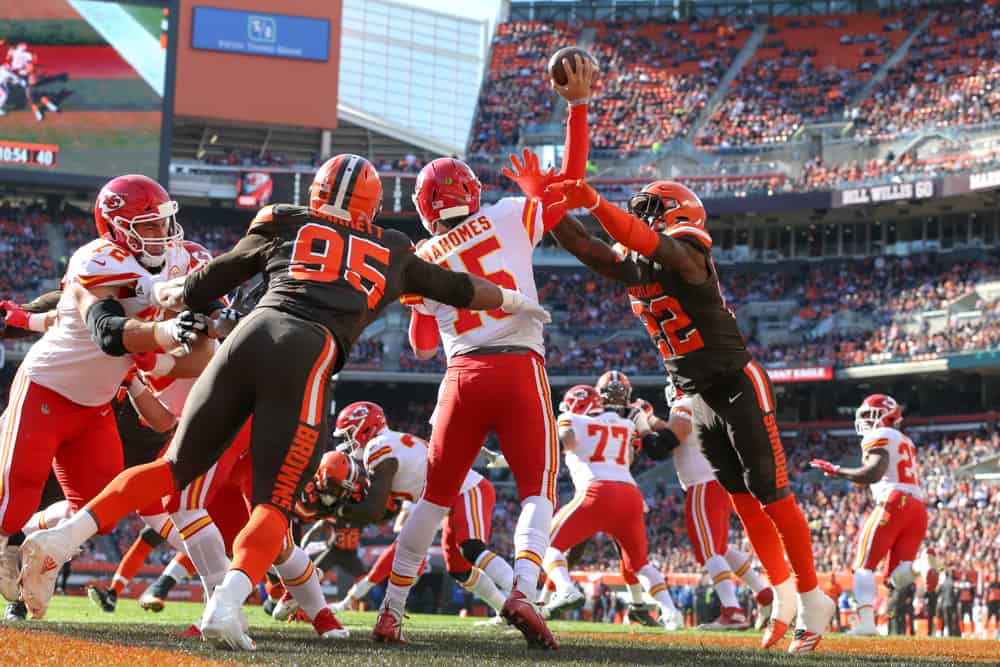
[58, 250]
[892, 61]
[742, 58]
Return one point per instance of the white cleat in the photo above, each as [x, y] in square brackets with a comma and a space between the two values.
[10, 563]
[223, 624]
[42, 554]
[816, 610]
[285, 609]
[493, 623]
[564, 601]
[342, 605]
[672, 620]
[862, 630]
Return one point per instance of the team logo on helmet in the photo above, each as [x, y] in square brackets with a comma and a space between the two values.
[111, 201]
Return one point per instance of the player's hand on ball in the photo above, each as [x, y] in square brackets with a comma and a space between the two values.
[528, 175]
[580, 75]
[572, 195]
[515, 302]
[827, 467]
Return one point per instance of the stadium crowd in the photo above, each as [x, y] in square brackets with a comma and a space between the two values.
[25, 261]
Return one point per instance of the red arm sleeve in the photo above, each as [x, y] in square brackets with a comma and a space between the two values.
[577, 146]
[424, 333]
[627, 229]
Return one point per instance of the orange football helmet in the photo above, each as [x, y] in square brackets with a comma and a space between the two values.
[662, 204]
[615, 390]
[337, 474]
[346, 187]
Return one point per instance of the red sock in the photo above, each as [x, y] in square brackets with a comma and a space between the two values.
[794, 530]
[763, 537]
[550, 585]
[259, 543]
[628, 575]
[134, 488]
[133, 560]
[185, 562]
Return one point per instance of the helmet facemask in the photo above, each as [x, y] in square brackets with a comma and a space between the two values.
[140, 245]
[651, 209]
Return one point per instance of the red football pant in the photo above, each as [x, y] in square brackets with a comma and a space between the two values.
[895, 527]
[707, 509]
[504, 393]
[230, 505]
[200, 492]
[470, 518]
[41, 431]
[614, 508]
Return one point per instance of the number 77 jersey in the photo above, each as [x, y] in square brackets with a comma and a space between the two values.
[603, 450]
[496, 244]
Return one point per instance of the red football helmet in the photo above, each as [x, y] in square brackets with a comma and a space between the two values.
[337, 474]
[131, 200]
[662, 204]
[199, 255]
[346, 187]
[615, 390]
[446, 188]
[581, 400]
[875, 411]
[360, 422]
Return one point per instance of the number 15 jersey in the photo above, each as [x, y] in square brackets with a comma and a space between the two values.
[496, 244]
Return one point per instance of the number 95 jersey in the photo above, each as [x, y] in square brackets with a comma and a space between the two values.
[603, 450]
[496, 244]
[903, 473]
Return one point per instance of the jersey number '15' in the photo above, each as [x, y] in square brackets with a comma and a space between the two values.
[472, 261]
[318, 255]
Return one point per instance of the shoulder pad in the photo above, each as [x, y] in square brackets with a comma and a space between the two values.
[105, 264]
[879, 437]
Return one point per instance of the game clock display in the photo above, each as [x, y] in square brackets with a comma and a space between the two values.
[33, 155]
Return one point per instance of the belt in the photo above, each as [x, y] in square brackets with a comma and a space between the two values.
[495, 349]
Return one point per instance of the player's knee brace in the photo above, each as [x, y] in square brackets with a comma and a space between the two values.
[151, 537]
[472, 550]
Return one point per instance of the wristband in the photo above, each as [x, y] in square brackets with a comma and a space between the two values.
[512, 300]
[579, 102]
[36, 322]
[164, 364]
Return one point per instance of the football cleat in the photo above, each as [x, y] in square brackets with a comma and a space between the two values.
[190, 632]
[765, 602]
[286, 607]
[150, 601]
[492, 623]
[104, 599]
[42, 554]
[16, 612]
[388, 628]
[328, 627]
[775, 631]
[10, 563]
[640, 614]
[816, 609]
[223, 624]
[731, 618]
[523, 615]
[342, 605]
[572, 598]
[672, 620]
[804, 641]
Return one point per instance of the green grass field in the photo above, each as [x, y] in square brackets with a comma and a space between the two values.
[438, 640]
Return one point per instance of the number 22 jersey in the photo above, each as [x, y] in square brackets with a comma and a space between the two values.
[903, 473]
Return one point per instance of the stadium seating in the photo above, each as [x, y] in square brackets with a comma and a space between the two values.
[24, 253]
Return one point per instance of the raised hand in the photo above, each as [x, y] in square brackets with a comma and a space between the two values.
[528, 174]
[580, 76]
[571, 195]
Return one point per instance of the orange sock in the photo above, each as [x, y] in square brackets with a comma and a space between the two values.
[185, 562]
[134, 488]
[794, 530]
[763, 536]
[259, 543]
[133, 560]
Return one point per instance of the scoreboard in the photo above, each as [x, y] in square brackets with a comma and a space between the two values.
[23, 154]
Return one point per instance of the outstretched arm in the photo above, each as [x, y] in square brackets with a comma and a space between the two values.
[872, 469]
[592, 251]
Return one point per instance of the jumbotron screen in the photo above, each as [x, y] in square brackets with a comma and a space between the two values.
[81, 87]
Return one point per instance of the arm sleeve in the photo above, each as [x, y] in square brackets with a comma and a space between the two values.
[226, 271]
[575, 151]
[433, 282]
[424, 334]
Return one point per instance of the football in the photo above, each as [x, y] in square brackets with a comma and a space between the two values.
[556, 69]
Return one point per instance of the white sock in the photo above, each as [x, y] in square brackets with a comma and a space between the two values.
[235, 586]
[866, 615]
[531, 539]
[411, 547]
[742, 566]
[903, 575]
[722, 579]
[359, 589]
[635, 591]
[205, 546]
[157, 522]
[482, 586]
[864, 587]
[175, 570]
[80, 527]
[301, 579]
[785, 602]
[498, 569]
[557, 570]
[656, 586]
[47, 518]
[546, 596]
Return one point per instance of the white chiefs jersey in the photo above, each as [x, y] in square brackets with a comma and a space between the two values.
[410, 453]
[903, 473]
[20, 59]
[691, 464]
[496, 243]
[603, 450]
[66, 359]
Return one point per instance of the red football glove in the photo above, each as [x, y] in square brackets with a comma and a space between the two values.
[827, 467]
[528, 176]
[14, 315]
[572, 194]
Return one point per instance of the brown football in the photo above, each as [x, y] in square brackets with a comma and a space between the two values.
[556, 69]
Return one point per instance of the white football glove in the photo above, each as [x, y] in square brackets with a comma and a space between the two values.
[495, 460]
[160, 293]
[515, 302]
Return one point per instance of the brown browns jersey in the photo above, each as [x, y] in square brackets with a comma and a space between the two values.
[692, 327]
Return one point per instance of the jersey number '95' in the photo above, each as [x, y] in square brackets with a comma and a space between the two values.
[318, 255]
